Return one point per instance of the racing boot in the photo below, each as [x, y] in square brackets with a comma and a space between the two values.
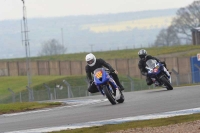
[116, 79]
[121, 87]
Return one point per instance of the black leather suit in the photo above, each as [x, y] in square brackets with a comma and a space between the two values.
[142, 65]
[99, 64]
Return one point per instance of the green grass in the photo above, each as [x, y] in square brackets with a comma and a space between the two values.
[135, 124]
[19, 83]
[77, 80]
[26, 106]
[120, 54]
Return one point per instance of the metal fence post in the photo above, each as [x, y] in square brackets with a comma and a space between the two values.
[30, 92]
[48, 90]
[13, 95]
[177, 77]
[20, 97]
[55, 97]
[70, 94]
[88, 84]
[132, 82]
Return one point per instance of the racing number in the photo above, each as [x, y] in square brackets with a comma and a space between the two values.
[98, 74]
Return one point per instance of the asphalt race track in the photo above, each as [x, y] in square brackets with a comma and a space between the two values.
[96, 108]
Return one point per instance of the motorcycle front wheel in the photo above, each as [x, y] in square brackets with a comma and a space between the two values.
[109, 95]
[166, 83]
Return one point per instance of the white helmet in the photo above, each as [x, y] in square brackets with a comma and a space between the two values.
[90, 59]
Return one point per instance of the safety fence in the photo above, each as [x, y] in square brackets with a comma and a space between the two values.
[68, 91]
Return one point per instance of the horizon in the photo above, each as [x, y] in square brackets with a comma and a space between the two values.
[89, 15]
[12, 9]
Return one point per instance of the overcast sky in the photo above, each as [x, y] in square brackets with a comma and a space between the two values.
[12, 9]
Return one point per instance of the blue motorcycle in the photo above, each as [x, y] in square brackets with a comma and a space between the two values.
[107, 86]
[159, 74]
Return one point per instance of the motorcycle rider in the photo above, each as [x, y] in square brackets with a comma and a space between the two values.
[142, 64]
[92, 64]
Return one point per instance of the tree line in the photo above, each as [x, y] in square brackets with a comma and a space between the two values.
[179, 32]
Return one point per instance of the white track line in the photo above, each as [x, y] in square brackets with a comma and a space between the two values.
[71, 103]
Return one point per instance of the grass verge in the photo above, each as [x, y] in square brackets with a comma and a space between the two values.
[135, 124]
[26, 106]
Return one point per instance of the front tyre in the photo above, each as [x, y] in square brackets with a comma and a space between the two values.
[166, 83]
[109, 95]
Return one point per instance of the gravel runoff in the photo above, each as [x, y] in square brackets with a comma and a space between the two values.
[189, 127]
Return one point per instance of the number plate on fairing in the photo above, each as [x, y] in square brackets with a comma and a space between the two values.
[98, 74]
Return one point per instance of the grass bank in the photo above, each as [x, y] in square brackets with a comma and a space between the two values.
[19, 83]
[25, 106]
[120, 54]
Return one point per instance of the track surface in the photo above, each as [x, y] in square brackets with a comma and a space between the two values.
[136, 103]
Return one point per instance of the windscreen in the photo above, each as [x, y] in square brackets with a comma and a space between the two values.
[151, 63]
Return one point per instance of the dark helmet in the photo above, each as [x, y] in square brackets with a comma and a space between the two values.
[142, 54]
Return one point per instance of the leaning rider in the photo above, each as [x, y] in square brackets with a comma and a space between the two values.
[92, 64]
[142, 64]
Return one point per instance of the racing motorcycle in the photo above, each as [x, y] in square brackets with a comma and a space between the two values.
[159, 74]
[107, 86]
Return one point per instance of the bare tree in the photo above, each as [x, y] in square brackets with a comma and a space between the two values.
[167, 37]
[187, 19]
[52, 47]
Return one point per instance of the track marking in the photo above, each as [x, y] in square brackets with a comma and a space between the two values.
[71, 103]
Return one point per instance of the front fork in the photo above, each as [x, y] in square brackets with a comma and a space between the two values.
[109, 86]
[167, 73]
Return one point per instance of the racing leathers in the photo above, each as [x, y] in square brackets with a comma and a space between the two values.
[99, 64]
[142, 65]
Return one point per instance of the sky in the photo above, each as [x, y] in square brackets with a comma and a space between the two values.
[13, 9]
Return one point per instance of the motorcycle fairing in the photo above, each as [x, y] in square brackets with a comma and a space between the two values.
[101, 77]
